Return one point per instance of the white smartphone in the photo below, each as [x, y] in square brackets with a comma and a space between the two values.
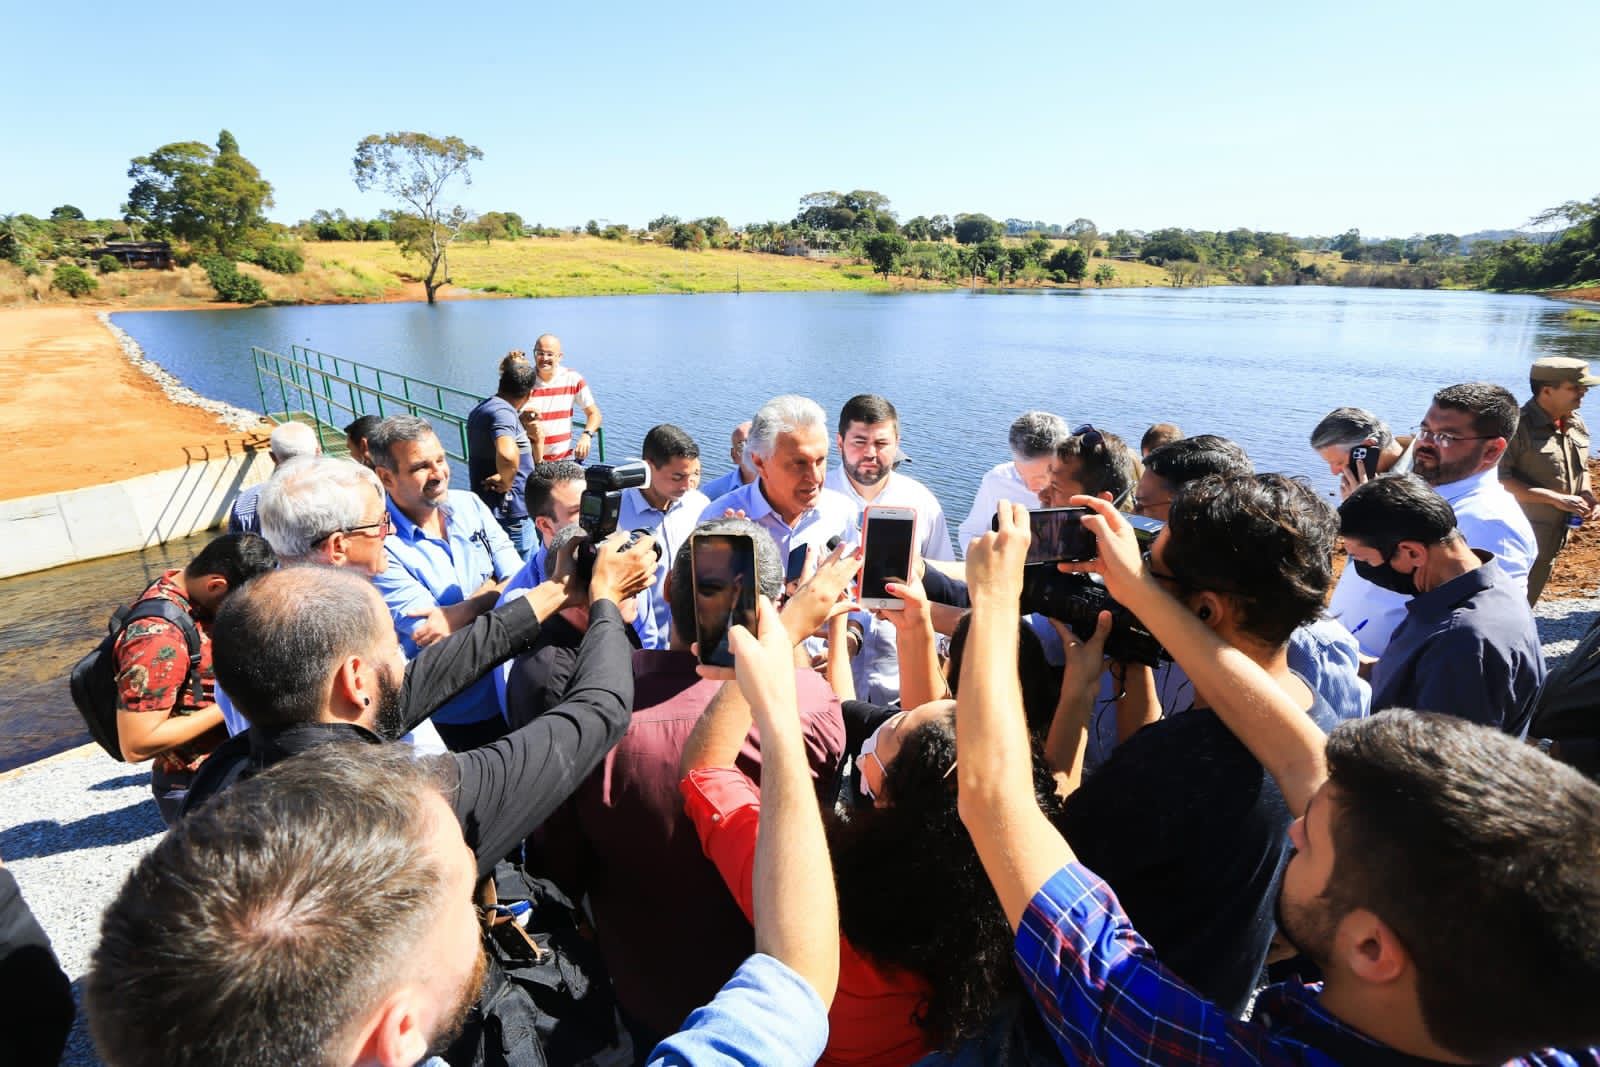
[888, 539]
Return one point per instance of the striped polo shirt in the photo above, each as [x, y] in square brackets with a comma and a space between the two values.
[554, 401]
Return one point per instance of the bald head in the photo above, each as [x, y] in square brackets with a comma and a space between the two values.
[278, 642]
[546, 355]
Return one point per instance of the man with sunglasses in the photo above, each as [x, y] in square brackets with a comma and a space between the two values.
[1090, 462]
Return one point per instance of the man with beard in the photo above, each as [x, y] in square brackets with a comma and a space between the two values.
[869, 457]
[323, 913]
[1467, 645]
[1458, 449]
[306, 658]
[869, 453]
[1442, 878]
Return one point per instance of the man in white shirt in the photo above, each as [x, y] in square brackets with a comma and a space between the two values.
[1033, 438]
[789, 449]
[670, 510]
[869, 450]
[1458, 450]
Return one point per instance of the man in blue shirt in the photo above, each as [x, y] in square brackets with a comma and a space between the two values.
[499, 454]
[789, 449]
[1418, 837]
[1467, 645]
[741, 474]
[670, 510]
[448, 560]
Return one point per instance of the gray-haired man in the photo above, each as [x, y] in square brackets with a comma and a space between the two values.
[290, 440]
[1034, 438]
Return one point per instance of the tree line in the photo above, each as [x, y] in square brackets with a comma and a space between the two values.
[209, 201]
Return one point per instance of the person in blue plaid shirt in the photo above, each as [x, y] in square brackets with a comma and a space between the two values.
[1445, 877]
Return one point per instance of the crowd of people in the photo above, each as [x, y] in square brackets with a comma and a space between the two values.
[454, 786]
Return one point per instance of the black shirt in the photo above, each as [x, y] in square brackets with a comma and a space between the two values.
[501, 791]
[1190, 831]
[35, 997]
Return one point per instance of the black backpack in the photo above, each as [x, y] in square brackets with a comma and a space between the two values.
[94, 677]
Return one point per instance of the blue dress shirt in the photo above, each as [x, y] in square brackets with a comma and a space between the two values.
[833, 516]
[722, 485]
[671, 528]
[424, 572]
[766, 1014]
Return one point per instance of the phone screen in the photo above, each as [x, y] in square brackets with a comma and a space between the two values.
[888, 554]
[796, 568]
[724, 569]
[1059, 536]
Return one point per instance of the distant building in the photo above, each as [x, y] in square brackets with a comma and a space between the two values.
[150, 255]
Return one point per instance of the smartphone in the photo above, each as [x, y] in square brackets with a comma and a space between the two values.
[1058, 536]
[1145, 529]
[1365, 456]
[796, 568]
[723, 567]
[888, 536]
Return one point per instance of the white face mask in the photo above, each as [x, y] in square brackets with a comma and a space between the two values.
[869, 750]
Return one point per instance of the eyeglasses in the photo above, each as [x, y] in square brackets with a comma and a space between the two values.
[1140, 505]
[384, 526]
[1445, 439]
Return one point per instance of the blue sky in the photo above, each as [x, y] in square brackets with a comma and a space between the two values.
[1394, 117]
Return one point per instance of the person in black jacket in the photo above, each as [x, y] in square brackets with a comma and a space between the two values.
[309, 657]
[35, 997]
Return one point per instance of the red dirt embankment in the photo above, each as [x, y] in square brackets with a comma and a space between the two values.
[74, 412]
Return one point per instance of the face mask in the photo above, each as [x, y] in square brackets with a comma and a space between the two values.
[1384, 576]
[869, 750]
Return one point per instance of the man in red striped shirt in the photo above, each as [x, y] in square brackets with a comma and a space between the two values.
[555, 395]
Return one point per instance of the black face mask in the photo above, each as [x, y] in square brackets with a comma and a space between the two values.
[1384, 576]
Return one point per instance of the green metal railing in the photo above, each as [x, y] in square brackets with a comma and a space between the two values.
[331, 391]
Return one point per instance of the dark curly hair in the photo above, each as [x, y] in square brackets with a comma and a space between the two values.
[1264, 539]
[913, 895]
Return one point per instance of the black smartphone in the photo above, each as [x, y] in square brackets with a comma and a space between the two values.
[888, 535]
[724, 571]
[1058, 536]
[796, 568]
[1365, 457]
[1145, 529]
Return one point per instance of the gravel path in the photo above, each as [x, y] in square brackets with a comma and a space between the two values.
[74, 825]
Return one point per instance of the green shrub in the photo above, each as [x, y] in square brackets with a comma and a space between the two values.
[73, 280]
[109, 264]
[279, 259]
[230, 285]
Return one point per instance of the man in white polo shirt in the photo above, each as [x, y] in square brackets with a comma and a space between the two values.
[670, 510]
[1033, 438]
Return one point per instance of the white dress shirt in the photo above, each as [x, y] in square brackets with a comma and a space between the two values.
[1002, 482]
[900, 490]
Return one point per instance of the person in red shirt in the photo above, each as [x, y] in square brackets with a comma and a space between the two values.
[924, 951]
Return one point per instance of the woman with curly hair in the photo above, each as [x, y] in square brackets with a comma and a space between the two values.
[925, 951]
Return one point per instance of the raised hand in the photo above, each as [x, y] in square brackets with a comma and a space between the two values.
[619, 574]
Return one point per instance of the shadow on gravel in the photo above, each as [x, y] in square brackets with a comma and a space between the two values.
[31, 840]
[140, 778]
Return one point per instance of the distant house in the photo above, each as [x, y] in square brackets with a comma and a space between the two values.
[150, 255]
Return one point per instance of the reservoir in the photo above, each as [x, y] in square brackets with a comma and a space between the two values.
[1260, 365]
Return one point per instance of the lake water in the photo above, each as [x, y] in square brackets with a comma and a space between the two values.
[1258, 365]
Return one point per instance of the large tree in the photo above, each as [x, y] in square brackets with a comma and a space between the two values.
[416, 169]
[211, 198]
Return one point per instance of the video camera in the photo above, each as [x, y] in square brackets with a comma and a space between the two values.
[1078, 600]
[601, 506]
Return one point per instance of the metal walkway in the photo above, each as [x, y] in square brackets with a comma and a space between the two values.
[328, 392]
